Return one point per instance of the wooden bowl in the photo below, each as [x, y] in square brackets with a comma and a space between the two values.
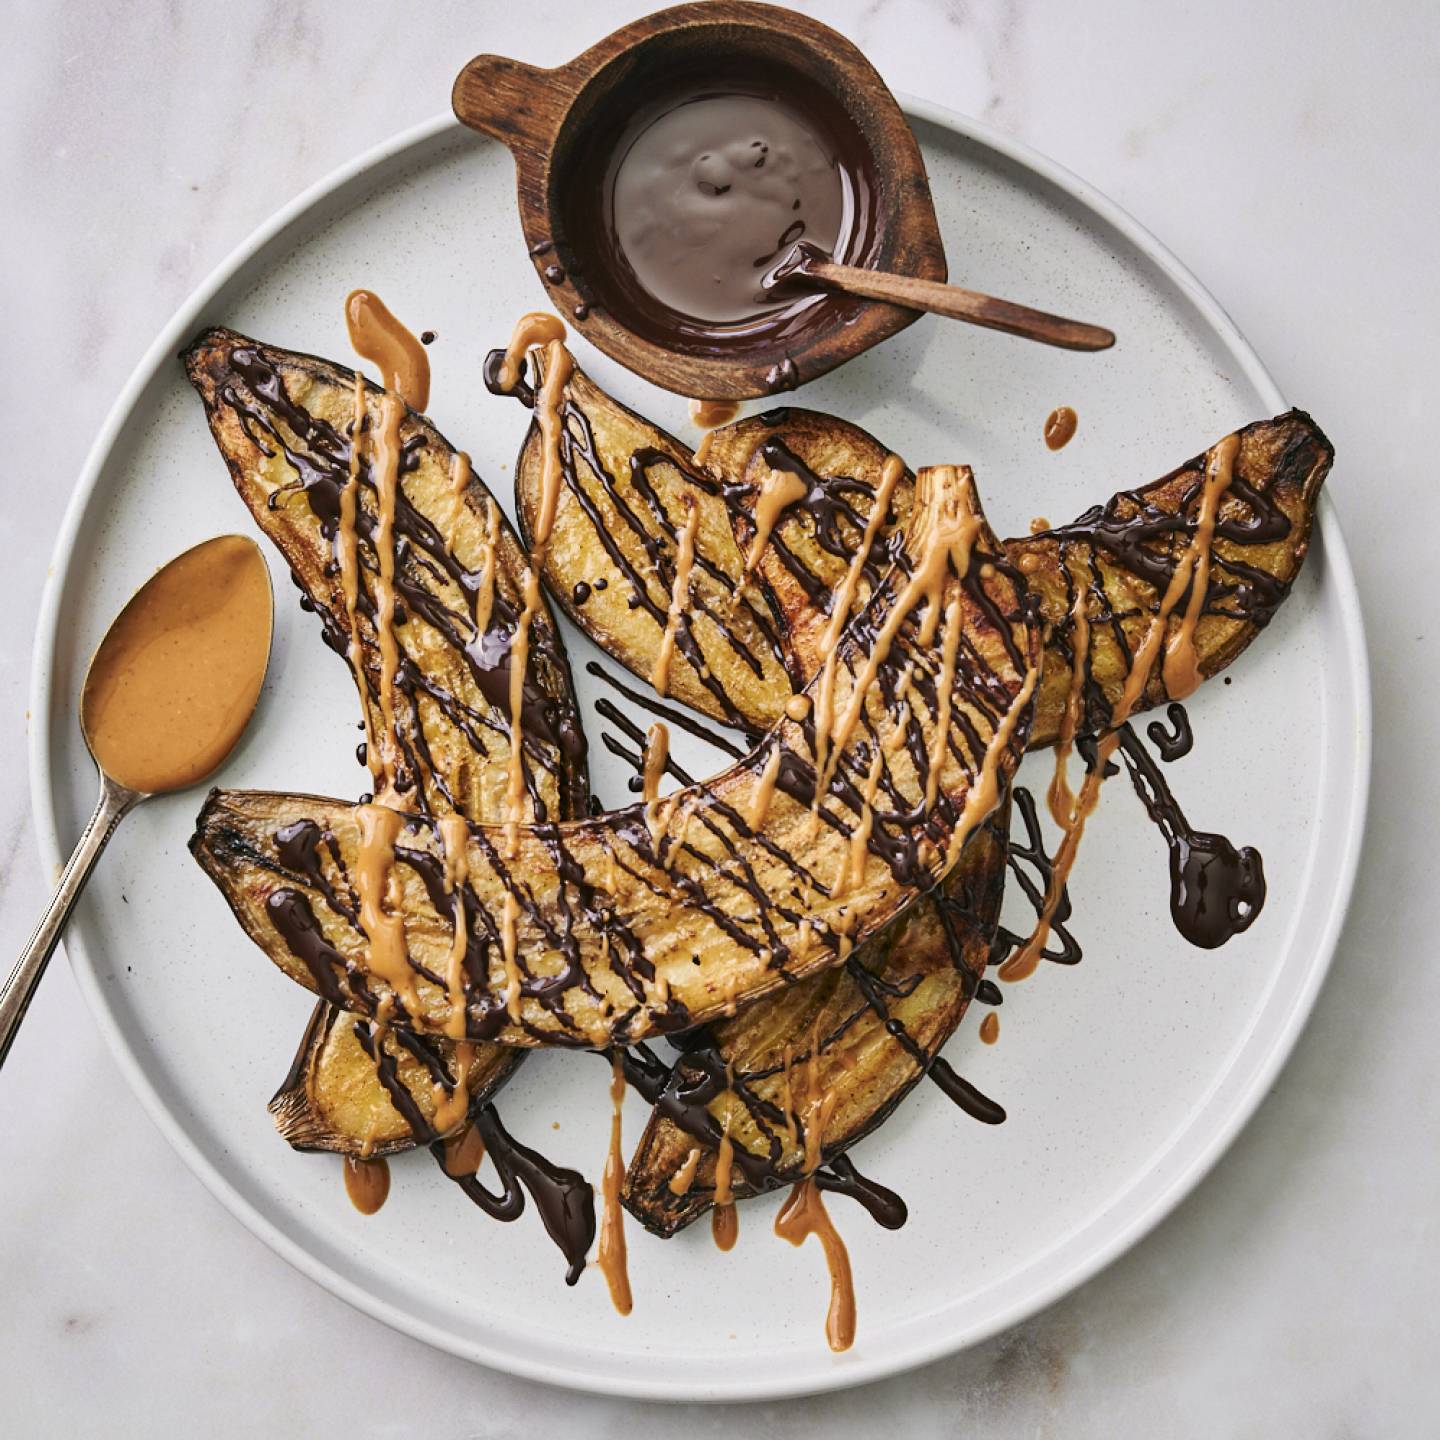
[561, 124]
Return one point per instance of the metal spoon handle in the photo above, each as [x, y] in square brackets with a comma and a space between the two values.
[115, 802]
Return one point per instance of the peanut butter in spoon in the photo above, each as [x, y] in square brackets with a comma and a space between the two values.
[177, 675]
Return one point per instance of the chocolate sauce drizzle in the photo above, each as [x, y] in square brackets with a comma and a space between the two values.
[1032, 866]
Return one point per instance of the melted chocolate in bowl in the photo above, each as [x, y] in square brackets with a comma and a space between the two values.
[686, 204]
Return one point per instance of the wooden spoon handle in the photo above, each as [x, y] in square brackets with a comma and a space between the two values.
[958, 304]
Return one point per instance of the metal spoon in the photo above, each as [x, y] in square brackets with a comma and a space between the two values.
[148, 739]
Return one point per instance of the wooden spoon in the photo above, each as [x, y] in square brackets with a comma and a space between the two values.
[810, 263]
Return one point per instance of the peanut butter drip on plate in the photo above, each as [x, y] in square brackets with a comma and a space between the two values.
[381, 339]
[804, 1214]
[1191, 574]
[724, 1218]
[367, 1183]
[347, 555]
[990, 1028]
[611, 1258]
[1060, 427]
[679, 597]
[711, 414]
[177, 676]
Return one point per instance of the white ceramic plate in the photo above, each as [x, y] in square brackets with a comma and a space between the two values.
[1125, 1077]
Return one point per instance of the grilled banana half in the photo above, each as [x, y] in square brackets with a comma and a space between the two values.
[339, 1097]
[662, 916]
[283, 422]
[796, 1080]
[812, 480]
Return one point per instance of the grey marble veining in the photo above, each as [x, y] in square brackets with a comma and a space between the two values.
[1291, 165]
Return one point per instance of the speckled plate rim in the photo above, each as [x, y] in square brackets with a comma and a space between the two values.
[1110, 1237]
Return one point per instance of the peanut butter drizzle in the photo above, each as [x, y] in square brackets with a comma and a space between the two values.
[684, 1177]
[389, 958]
[380, 338]
[367, 1183]
[1060, 426]
[177, 675]
[532, 330]
[386, 469]
[764, 791]
[485, 590]
[804, 1214]
[679, 597]
[610, 1258]
[453, 1106]
[948, 543]
[1219, 472]
[778, 491]
[990, 1028]
[455, 837]
[1060, 797]
[891, 473]
[797, 707]
[460, 476]
[464, 1152]
[860, 837]
[347, 554]
[657, 753]
[949, 650]
[711, 414]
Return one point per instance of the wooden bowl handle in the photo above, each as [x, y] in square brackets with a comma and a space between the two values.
[518, 104]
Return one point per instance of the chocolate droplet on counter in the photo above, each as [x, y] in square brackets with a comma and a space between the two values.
[427, 337]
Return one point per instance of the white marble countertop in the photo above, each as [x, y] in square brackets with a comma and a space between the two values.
[1291, 163]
